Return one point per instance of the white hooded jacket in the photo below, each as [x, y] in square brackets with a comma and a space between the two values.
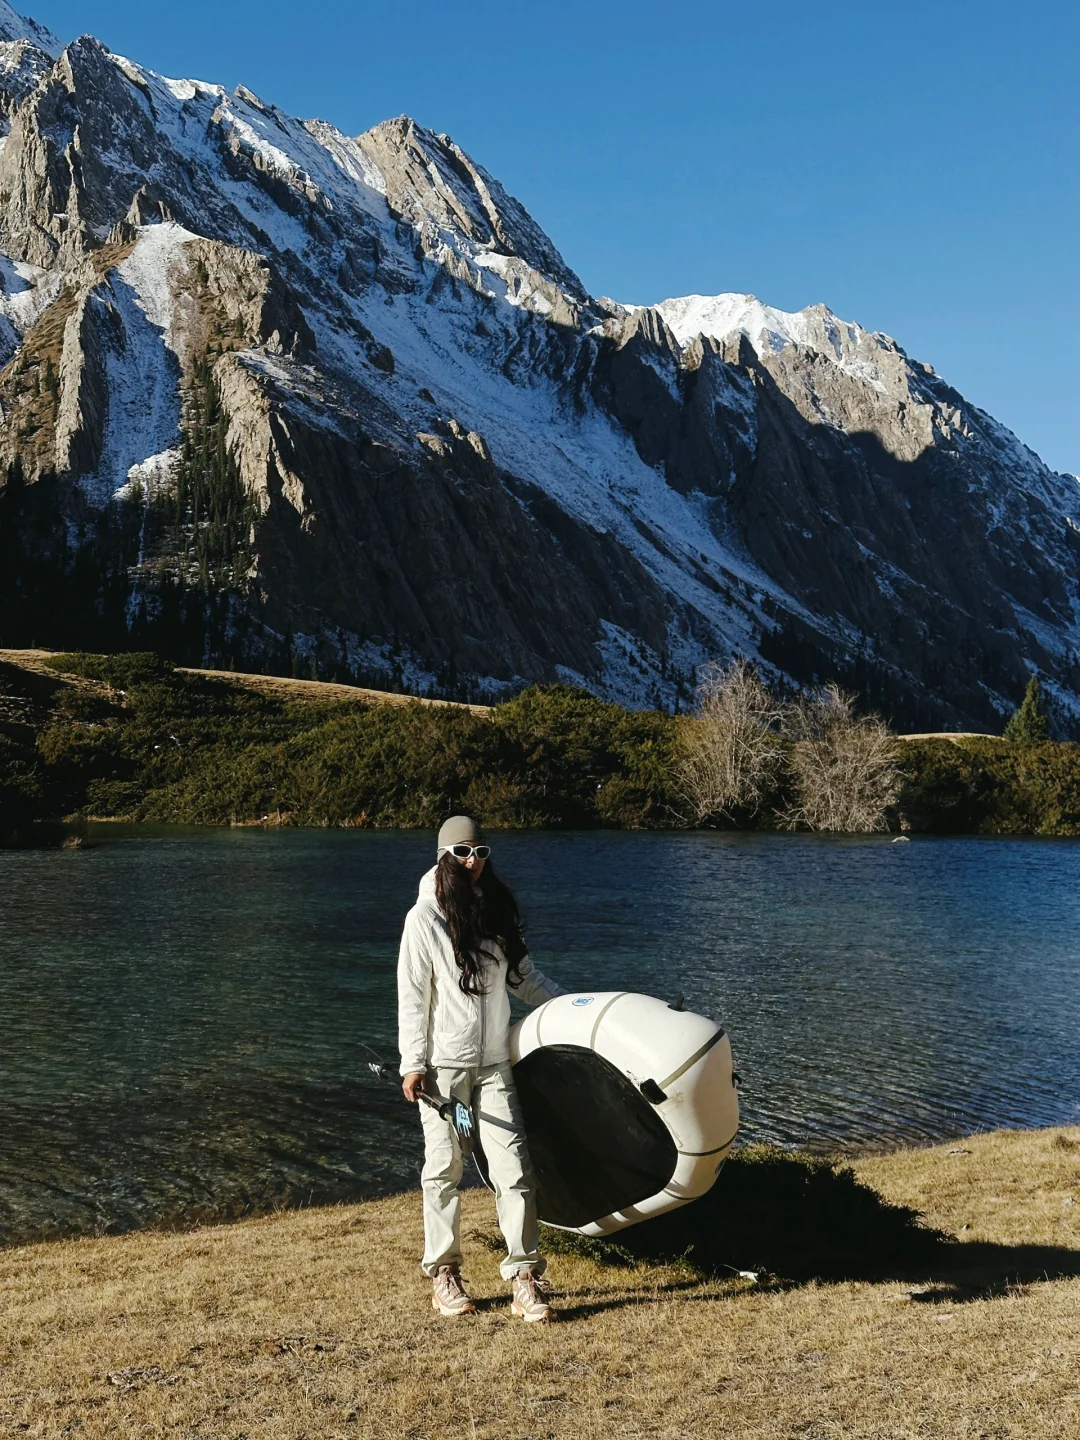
[437, 1023]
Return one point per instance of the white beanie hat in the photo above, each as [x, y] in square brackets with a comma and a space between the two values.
[459, 830]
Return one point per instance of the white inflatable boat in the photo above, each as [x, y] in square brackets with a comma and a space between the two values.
[630, 1106]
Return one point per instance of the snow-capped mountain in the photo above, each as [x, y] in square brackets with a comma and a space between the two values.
[14, 28]
[269, 389]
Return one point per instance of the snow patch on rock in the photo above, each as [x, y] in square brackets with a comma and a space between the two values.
[25, 292]
[142, 428]
[14, 26]
[770, 330]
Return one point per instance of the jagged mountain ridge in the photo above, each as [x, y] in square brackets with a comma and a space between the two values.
[426, 450]
[16, 28]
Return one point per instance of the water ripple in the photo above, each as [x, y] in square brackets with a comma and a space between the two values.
[183, 1009]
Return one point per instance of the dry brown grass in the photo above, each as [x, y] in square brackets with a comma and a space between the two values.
[315, 1324]
[1011, 1187]
[281, 687]
[278, 687]
[954, 735]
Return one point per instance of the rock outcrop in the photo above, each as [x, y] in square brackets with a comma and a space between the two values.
[277, 395]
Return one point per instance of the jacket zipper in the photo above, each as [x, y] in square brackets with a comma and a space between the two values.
[483, 1020]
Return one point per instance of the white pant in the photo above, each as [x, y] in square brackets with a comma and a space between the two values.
[490, 1093]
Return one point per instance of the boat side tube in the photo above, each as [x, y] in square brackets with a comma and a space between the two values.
[678, 1066]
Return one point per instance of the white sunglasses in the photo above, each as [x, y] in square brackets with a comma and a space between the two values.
[462, 852]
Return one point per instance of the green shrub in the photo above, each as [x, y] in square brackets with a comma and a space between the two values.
[75, 754]
[992, 787]
[568, 747]
[22, 786]
[119, 672]
[145, 739]
[107, 799]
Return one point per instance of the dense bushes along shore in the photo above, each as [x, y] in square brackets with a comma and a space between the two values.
[132, 737]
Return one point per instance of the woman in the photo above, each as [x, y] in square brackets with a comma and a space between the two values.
[462, 946]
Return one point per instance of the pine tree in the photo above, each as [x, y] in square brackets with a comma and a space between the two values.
[1030, 724]
[213, 515]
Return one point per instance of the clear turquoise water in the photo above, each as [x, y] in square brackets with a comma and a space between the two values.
[183, 1010]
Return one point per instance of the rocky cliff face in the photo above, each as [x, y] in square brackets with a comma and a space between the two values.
[278, 395]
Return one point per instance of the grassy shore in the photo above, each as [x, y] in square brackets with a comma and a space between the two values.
[316, 1324]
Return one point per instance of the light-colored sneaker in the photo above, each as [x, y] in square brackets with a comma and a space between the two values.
[449, 1296]
[529, 1300]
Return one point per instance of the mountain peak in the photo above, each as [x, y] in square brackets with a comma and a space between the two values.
[444, 458]
[14, 26]
[431, 182]
[770, 331]
[719, 316]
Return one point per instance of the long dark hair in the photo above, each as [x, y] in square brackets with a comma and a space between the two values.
[475, 913]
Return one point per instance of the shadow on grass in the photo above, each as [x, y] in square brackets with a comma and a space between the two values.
[793, 1218]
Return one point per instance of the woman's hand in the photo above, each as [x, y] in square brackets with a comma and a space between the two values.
[412, 1085]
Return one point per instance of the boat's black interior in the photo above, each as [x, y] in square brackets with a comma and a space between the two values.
[597, 1145]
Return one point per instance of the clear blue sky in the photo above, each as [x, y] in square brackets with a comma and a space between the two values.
[915, 166]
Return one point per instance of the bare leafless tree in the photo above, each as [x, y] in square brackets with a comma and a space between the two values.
[845, 766]
[729, 753]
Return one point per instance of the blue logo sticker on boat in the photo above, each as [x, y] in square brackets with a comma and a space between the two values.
[584, 1000]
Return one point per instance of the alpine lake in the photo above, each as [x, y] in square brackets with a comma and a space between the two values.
[185, 1012]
